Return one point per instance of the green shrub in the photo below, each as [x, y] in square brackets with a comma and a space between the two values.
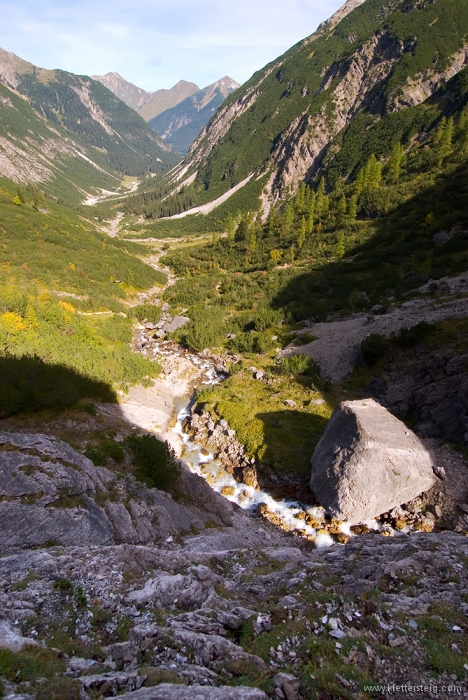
[150, 312]
[252, 342]
[99, 455]
[298, 364]
[155, 459]
[373, 348]
[409, 337]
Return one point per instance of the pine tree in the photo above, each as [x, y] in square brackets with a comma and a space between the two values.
[287, 219]
[271, 223]
[242, 230]
[299, 200]
[311, 213]
[372, 175]
[320, 198]
[252, 236]
[352, 208]
[440, 131]
[359, 183]
[341, 210]
[230, 228]
[340, 246]
[394, 164]
[301, 234]
[445, 143]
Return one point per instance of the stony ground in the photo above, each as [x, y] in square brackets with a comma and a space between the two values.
[225, 612]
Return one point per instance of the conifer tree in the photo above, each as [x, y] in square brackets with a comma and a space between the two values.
[230, 228]
[445, 143]
[340, 246]
[299, 200]
[252, 238]
[372, 173]
[394, 164]
[301, 234]
[352, 208]
[320, 199]
[359, 183]
[271, 223]
[311, 213]
[287, 219]
[440, 131]
[242, 230]
[341, 210]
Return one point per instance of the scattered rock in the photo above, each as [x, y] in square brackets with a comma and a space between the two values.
[177, 322]
[12, 639]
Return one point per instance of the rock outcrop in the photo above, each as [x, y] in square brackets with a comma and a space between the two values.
[368, 462]
[49, 493]
[254, 623]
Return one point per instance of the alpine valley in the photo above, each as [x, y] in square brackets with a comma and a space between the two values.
[234, 373]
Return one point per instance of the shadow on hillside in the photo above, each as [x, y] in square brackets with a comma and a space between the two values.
[290, 438]
[28, 384]
[399, 256]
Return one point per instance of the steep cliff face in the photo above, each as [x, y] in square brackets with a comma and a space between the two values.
[371, 58]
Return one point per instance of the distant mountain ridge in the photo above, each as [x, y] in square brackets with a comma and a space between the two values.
[147, 104]
[180, 125]
[129, 93]
[165, 99]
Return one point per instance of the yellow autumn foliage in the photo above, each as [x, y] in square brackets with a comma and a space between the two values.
[68, 307]
[12, 323]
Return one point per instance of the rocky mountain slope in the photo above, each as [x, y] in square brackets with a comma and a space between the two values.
[60, 129]
[165, 99]
[129, 93]
[180, 125]
[371, 64]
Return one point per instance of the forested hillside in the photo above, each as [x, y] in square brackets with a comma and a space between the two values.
[70, 132]
[329, 102]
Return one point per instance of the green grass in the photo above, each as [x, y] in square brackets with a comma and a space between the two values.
[30, 664]
[282, 437]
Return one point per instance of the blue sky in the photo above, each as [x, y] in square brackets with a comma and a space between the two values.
[155, 43]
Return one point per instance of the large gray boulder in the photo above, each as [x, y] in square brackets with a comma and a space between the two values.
[368, 462]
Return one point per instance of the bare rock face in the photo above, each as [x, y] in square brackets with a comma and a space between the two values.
[368, 462]
[51, 494]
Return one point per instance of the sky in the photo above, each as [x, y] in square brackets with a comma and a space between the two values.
[156, 43]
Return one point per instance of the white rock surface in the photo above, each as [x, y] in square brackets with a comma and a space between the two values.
[368, 462]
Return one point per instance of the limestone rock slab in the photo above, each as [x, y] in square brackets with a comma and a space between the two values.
[168, 691]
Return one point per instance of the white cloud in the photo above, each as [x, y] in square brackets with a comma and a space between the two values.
[155, 43]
